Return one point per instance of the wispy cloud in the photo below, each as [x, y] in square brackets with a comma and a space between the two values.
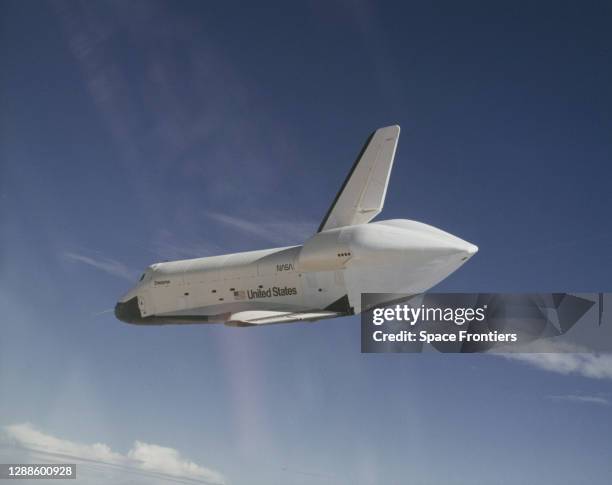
[567, 359]
[108, 265]
[166, 245]
[142, 457]
[178, 114]
[176, 118]
[277, 232]
[578, 398]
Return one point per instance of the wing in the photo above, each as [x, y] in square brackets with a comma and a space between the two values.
[263, 317]
[362, 195]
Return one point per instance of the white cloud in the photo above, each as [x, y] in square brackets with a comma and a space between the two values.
[110, 266]
[168, 460]
[581, 399]
[26, 435]
[568, 359]
[142, 457]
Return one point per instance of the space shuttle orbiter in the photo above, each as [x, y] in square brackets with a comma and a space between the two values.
[322, 278]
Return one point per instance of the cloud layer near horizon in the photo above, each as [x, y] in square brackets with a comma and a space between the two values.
[143, 457]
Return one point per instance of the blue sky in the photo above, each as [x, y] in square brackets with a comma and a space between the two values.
[143, 131]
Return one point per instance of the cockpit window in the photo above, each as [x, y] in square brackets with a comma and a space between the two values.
[142, 277]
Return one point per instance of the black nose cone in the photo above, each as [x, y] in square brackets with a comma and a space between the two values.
[128, 311]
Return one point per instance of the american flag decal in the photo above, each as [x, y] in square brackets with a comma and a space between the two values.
[239, 295]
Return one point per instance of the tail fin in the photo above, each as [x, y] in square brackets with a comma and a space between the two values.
[362, 196]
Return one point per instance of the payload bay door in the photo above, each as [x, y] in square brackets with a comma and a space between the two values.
[279, 270]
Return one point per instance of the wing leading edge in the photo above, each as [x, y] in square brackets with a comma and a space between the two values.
[362, 196]
[265, 317]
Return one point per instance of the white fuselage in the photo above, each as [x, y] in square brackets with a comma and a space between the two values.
[327, 273]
